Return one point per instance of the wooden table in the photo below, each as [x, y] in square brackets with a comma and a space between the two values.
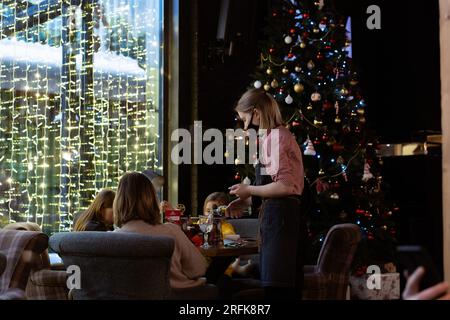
[248, 247]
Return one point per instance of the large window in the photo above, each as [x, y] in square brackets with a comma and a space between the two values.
[80, 103]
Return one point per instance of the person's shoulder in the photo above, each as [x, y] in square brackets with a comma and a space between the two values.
[284, 134]
[174, 228]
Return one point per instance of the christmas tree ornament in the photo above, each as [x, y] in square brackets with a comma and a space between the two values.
[290, 55]
[353, 82]
[322, 26]
[344, 91]
[309, 151]
[271, 50]
[269, 71]
[367, 175]
[267, 87]
[310, 107]
[320, 4]
[289, 99]
[327, 105]
[310, 65]
[316, 97]
[285, 70]
[337, 120]
[298, 68]
[322, 186]
[361, 111]
[316, 30]
[299, 88]
[334, 196]
[247, 181]
[318, 122]
[274, 83]
[303, 45]
[237, 177]
[337, 147]
[257, 84]
[288, 40]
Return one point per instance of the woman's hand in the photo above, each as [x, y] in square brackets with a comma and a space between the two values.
[237, 207]
[241, 190]
[411, 292]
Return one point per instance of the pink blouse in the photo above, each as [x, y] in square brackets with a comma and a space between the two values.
[282, 158]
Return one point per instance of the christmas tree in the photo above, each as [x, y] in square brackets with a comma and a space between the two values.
[305, 64]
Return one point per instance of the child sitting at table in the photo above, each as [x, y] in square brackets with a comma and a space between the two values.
[212, 202]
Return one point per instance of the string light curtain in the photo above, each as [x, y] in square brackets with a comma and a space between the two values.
[80, 103]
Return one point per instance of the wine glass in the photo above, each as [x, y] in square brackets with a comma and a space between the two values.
[205, 225]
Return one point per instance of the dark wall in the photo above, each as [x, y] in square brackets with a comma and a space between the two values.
[399, 66]
[399, 69]
[221, 78]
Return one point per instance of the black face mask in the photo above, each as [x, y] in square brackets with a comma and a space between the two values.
[251, 125]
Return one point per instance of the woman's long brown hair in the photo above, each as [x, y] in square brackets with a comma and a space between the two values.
[103, 200]
[136, 200]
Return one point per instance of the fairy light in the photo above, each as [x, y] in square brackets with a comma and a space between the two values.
[58, 146]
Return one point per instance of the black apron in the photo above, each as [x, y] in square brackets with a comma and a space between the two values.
[282, 238]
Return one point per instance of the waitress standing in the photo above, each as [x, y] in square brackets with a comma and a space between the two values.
[279, 183]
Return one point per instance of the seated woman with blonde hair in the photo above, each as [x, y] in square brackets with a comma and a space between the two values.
[99, 215]
[136, 209]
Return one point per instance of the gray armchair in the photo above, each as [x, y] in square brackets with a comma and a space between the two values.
[117, 265]
[328, 280]
[2, 263]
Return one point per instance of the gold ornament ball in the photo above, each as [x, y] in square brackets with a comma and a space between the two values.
[337, 120]
[285, 70]
[298, 69]
[267, 87]
[344, 91]
[303, 45]
[299, 88]
[310, 107]
[316, 30]
[274, 83]
[361, 111]
[269, 71]
[310, 65]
